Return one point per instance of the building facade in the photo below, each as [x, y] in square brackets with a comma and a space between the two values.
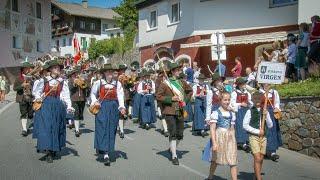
[25, 30]
[81, 22]
[186, 27]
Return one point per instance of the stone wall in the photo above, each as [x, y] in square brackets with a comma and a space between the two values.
[300, 125]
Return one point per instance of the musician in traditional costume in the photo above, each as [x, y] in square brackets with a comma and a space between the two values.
[159, 80]
[107, 94]
[173, 94]
[53, 93]
[23, 87]
[199, 126]
[254, 124]
[78, 91]
[146, 89]
[213, 93]
[136, 107]
[122, 78]
[241, 102]
[273, 107]
[132, 80]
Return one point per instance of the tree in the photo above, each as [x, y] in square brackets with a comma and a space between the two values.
[106, 47]
[127, 21]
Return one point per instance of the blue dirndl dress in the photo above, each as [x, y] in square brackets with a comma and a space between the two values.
[51, 124]
[136, 105]
[242, 136]
[199, 114]
[106, 124]
[189, 110]
[274, 140]
[147, 108]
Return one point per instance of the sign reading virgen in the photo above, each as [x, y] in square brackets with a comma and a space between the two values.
[271, 73]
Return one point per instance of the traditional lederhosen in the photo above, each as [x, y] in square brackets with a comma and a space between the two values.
[78, 99]
[107, 119]
[51, 133]
[274, 140]
[24, 99]
[199, 107]
[147, 107]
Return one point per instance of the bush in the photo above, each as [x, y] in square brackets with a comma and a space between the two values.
[309, 87]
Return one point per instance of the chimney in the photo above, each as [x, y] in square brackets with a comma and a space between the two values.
[85, 3]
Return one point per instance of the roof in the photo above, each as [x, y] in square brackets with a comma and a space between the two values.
[244, 39]
[145, 3]
[79, 10]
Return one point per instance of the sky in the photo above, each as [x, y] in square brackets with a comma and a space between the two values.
[97, 3]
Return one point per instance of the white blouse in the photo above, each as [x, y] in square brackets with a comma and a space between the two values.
[96, 87]
[38, 89]
[215, 116]
[276, 97]
[236, 106]
[140, 87]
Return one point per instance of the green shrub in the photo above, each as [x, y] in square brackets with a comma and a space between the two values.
[309, 87]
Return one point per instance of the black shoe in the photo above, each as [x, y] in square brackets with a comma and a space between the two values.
[246, 148]
[49, 158]
[147, 126]
[175, 161]
[71, 126]
[24, 133]
[204, 134]
[106, 161]
[77, 133]
[121, 134]
[166, 134]
[275, 157]
[135, 120]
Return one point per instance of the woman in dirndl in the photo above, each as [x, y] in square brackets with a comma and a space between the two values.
[136, 100]
[199, 126]
[241, 102]
[54, 94]
[108, 94]
[222, 148]
[146, 89]
[274, 140]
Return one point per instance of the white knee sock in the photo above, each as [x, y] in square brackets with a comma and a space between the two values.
[121, 125]
[70, 121]
[173, 148]
[106, 156]
[24, 124]
[164, 125]
[77, 125]
[130, 110]
[178, 141]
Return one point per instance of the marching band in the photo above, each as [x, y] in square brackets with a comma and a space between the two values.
[54, 96]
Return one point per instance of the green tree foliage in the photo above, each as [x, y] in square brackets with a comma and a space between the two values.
[106, 47]
[128, 21]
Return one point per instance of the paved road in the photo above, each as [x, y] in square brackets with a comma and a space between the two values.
[141, 155]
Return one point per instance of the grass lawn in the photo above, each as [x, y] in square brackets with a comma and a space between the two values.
[309, 87]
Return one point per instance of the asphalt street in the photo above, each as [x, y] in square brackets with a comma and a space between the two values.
[141, 155]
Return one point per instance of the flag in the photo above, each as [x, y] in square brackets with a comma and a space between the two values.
[76, 47]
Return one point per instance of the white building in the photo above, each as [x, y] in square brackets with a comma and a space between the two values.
[186, 26]
[25, 30]
[87, 24]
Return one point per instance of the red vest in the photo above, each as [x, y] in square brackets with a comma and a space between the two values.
[242, 97]
[56, 93]
[201, 88]
[108, 94]
[271, 100]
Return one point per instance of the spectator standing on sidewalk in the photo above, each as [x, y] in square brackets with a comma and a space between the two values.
[236, 70]
[303, 43]
[2, 88]
[292, 51]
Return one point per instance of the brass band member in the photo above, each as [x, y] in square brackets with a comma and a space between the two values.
[173, 95]
[23, 87]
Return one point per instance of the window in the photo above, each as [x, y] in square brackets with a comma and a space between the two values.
[14, 42]
[92, 26]
[114, 26]
[82, 25]
[39, 49]
[111, 35]
[64, 42]
[70, 42]
[57, 43]
[175, 13]
[56, 12]
[153, 19]
[279, 3]
[84, 43]
[104, 27]
[118, 34]
[15, 6]
[38, 9]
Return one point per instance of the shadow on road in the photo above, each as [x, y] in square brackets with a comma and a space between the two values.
[86, 131]
[246, 175]
[128, 131]
[167, 154]
[66, 151]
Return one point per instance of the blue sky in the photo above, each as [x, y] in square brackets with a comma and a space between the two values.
[97, 3]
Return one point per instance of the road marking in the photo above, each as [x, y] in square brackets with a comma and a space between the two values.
[6, 107]
[127, 137]
[193, 171]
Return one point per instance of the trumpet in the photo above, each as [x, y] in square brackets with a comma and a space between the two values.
[79, 81]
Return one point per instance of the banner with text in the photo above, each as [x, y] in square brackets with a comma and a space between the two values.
[271, 73]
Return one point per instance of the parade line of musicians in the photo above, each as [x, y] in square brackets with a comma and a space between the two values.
[55, 98]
